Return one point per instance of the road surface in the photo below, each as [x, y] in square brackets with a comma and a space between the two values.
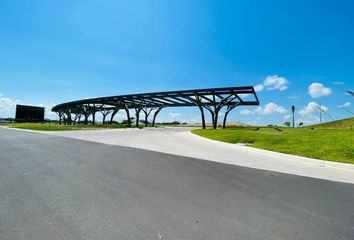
[180, 141]
[60, 188]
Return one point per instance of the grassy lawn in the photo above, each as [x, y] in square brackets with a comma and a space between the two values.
[347, 123]
[57, 127]
[329, 144]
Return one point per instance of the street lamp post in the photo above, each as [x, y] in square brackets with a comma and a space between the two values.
[293, 111]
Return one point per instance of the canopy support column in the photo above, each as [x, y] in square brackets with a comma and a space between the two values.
[86, 117]
[69, 120]
[95, 109]
[60, 114]
[112, 116]
[155, 115]
[198, 102]
[225, 118]
[202, 115]
[137, 116]
[228, 110]
[86, 112]
[128, 115]
[93, 117]
[77, 118]
[115, 111]
[104, 115]
[147, 113]
[214, 107]
[216, 119]
[212, 116]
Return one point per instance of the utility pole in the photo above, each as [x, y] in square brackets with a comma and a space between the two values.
[320, 109]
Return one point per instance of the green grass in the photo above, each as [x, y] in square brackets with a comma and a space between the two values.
[57, 127]
[347, 123]
[328, 144]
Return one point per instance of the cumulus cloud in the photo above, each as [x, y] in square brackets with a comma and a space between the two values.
[311, 108]
[273, 82]
[8, 107]
[294, 97]
[287, 117]
[246, 112]
[276, 82]
[270, 108]
[174, 116]
[48, 110]
[317, 90]
[259, 88]
[194, 120]
[345, 105]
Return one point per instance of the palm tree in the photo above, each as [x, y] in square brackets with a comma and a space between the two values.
[293, 111]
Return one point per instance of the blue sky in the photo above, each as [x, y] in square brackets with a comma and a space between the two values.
[58, 51]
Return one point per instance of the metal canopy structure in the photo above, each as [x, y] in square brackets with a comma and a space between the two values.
[211, 99]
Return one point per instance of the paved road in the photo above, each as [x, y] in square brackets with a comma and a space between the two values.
[59, 188]
[180, 141]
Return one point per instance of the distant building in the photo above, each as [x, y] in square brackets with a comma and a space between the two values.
[29, 113]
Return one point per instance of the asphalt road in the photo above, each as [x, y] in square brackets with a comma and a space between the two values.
[59, 188]
[180, 141]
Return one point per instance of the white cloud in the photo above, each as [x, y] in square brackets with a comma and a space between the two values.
[287, 117]
[338, 83]
[311, 108]
[273, 82]
[259, 88]
[345, 105]
[246, 112]
[317, 90]
[295, 97]
[270, 108]
[8, 107]
[310, 113]
[194, 120]
[174, 116]
[48, 110]
[276, 82]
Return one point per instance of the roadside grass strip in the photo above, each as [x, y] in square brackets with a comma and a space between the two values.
[327, 144]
